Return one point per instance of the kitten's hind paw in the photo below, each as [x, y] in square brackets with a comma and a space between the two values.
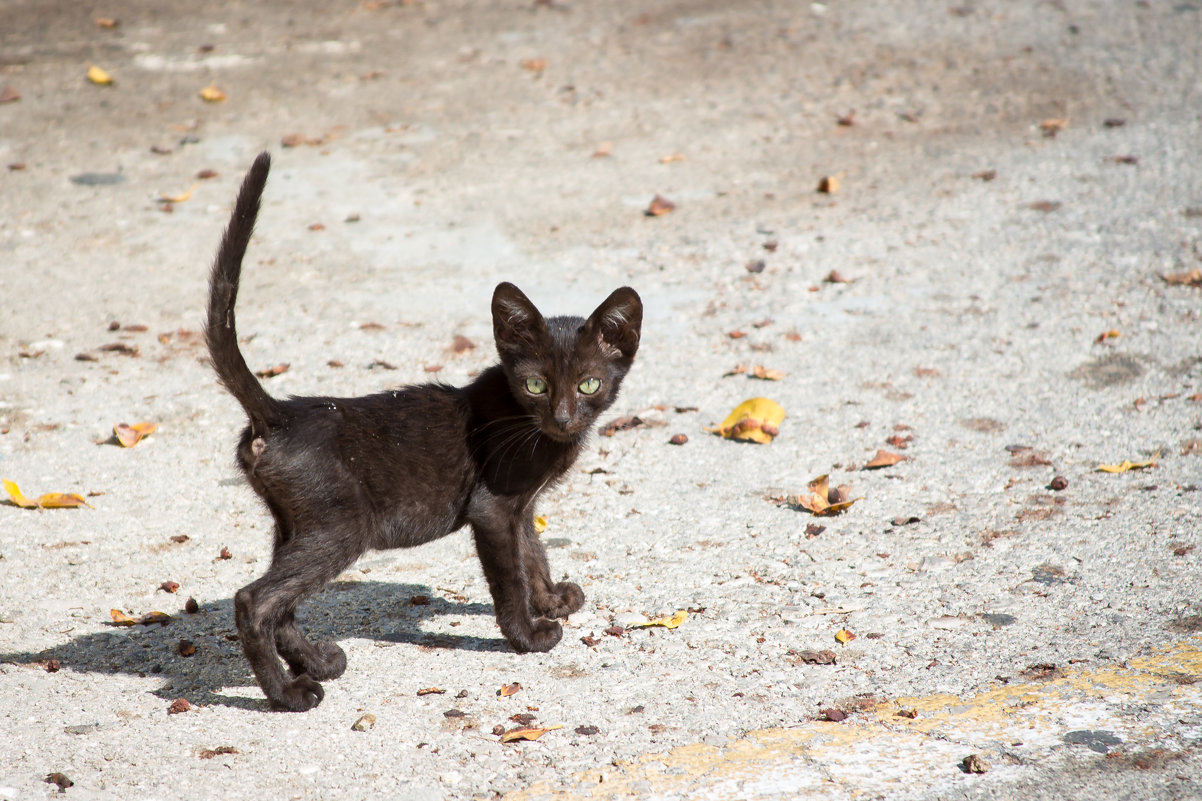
[300, 695]
[543, 636]
[327, 661]
[565, 598]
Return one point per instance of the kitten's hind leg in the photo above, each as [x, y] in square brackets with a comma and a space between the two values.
[547, 598]
[322, 660]
[264, 608]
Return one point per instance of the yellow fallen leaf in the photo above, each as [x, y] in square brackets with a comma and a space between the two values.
[154, 617]
[829, 185]
[843, 636]
[1126, 465]
[822, 501]
[51, 500]
[178, 198]
[754, 420]
[540, 523]
[122, 619]
[509, 689]
[670, 622]
[61, 500]
[530, 733]
[131, 435]
[98, 76]
[14, 492]
[211, 94]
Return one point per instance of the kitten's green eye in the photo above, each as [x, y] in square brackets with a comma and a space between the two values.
[536, 386]
[590, 385]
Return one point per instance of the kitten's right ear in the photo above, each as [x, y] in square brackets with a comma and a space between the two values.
[517, 325]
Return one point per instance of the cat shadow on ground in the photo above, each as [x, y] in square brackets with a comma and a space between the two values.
[370, 610]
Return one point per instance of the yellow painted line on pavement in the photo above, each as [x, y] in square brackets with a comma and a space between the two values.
[878, 750]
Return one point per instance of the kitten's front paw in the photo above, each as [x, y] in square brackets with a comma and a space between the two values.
[564, 599]
[300, 695]
[542, 636]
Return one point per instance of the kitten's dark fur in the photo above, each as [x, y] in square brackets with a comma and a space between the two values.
[397, 469]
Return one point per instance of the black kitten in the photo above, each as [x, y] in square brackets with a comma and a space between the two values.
[396, 469]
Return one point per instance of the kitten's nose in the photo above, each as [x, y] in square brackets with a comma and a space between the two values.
[563, 415]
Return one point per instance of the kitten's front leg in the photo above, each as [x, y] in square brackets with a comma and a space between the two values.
[500, 544]
[547, 598]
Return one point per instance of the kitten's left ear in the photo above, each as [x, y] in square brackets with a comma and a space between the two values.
[516, 324]
[618, 322]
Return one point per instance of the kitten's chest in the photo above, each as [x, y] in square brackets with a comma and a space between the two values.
[523, 462]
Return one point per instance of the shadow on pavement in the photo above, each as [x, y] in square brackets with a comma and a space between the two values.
[368, 610]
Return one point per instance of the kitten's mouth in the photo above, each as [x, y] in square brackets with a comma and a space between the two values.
[560, 434]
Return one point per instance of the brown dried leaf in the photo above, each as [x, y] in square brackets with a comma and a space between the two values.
[828, 185]
[884, 458]
[209, 753]
[461, 344]
[178, 706]
[843, 636]
[1053, 125]
[531, 733]
[270, 372]
[170, 586]
[431, 691]
[621, 424]
[1191, 278]
[534, 64]
[507, 690]
[660, 206]
[765, 374]
[822, 501]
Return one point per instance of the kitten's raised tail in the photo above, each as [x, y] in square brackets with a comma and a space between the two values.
[220, 332]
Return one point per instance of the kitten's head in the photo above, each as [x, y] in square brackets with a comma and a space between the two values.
[565, 371]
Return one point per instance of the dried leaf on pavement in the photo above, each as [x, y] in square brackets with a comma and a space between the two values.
[131, 435]
[122, 619]
[180, 198]
[1190, 278]
[884, 458]
[843, 636]
[98, 76]
[507, 690]
[753, 420]
[211, 94]
[527, 733]
[821, 500]
[660, 206]
[668, 622]
[1127, 464]
[51, 500]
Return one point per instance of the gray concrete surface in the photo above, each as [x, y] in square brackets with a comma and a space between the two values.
[1053, 633]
